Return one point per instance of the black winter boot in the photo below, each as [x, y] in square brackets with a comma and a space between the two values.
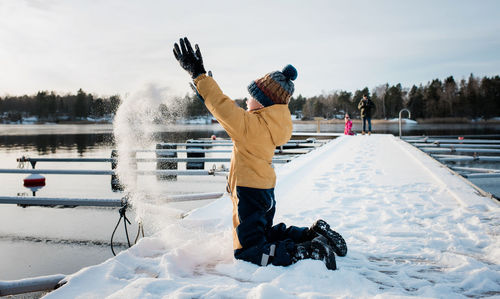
[335, 240]
[317, 249]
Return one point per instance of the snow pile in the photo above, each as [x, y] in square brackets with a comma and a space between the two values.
[413, 230]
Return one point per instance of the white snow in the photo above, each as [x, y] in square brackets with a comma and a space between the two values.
[412, 227]
[403, 120]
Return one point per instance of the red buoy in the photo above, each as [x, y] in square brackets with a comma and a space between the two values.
[34, 180]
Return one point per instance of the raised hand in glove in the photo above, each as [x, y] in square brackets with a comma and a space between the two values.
[189, 60]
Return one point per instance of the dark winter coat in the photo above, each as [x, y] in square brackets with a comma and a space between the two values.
[366, 107]
[255, 135]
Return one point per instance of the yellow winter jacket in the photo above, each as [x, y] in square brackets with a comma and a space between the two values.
[255, 135]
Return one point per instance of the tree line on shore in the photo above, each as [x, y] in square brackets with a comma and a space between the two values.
[53, 107]
[470, 98]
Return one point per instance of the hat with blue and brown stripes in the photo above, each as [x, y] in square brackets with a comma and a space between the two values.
[274, 88]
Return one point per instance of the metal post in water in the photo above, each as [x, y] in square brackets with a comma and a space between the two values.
[195, 165]
[318, 124]
[166, 165]
[115, 182]
[409, 116]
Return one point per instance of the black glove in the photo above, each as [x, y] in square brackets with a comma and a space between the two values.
[190, 61]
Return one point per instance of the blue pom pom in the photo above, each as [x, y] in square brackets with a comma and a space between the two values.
[290, 72]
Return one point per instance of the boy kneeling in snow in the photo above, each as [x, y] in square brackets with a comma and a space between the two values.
[255, 134]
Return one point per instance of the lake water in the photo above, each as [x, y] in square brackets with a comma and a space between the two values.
[38, 241]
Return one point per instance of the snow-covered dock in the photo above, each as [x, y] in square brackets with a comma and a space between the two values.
[413, 227]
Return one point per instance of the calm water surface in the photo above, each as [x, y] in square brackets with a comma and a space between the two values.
[38, 241]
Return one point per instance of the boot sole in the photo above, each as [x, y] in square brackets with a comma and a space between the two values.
[321, 252]
[334, 239]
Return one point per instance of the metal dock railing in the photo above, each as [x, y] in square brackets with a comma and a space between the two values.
[453, 150]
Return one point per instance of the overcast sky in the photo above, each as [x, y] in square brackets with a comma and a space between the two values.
[111, 47]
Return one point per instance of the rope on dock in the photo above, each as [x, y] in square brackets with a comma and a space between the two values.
[123, 216]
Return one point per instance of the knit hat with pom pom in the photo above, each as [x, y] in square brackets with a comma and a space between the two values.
[274, 88]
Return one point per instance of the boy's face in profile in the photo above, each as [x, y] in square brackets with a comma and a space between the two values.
[253, 104]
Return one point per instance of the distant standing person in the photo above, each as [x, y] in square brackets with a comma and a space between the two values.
[348, 125]
[366, 107]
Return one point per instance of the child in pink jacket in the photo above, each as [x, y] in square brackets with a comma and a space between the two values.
[348, 125]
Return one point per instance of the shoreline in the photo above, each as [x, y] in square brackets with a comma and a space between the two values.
[451, 120]
[444, 120]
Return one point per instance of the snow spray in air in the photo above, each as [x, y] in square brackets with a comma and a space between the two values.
[134, 128]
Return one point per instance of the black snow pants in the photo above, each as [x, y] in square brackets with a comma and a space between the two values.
[262, 243]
